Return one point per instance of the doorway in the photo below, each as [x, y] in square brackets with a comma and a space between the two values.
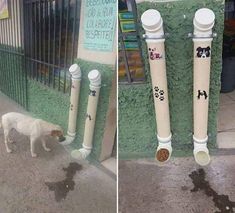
[226, 115]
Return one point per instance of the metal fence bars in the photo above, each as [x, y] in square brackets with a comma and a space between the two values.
[12, 65]
[51, 31]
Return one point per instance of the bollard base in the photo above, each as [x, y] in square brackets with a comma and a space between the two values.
[163, 153]
[201, 152]
[80, 154]
[164, 150]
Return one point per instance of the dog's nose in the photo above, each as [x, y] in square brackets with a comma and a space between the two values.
[61, 138]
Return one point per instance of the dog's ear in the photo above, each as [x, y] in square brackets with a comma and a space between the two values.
[53, 132]
[208, 48]
[199, 49]
[56, 133]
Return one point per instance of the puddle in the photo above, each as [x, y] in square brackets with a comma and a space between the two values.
[222, 202]
[61, 188]
[184, 188]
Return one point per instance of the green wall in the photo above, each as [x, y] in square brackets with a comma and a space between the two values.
[53, 106]
[137, 127]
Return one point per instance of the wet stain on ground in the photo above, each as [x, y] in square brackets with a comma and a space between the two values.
[184, 188]
[61, 188]
[222, 202]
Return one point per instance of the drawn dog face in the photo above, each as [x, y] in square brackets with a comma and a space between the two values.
[203, 52]
[58, 134]
[153, 54]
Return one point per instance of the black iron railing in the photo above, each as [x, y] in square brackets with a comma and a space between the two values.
[13, 79]
[51, 31]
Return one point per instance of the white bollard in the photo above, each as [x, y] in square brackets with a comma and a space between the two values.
[203, 23]
[153, 25]
[74, 98]
[95, 84]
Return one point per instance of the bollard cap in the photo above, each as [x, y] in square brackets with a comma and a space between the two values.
[75, 71]
[95, 78]
[151, 20]
[204, 19]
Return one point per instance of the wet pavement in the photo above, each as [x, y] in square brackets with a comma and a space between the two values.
[62, 188]
[222, 202]
[181, 186]
[52, 182]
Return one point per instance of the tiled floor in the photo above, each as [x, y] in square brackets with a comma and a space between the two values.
[226, 121]
[110, 164]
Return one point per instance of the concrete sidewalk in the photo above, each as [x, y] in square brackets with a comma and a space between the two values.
[52, 182]
[179, 187]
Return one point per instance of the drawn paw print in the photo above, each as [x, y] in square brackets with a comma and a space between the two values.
[156, 89]
[159, 93]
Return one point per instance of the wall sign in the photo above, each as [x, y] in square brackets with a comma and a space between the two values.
[4, 9]
[99, 24]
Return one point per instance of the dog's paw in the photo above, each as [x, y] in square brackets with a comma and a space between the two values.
[34, 155]
[47, 149]
[9, 151]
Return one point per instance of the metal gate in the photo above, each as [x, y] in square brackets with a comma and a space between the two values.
[51, 31]
[38, 41]
[13, 80]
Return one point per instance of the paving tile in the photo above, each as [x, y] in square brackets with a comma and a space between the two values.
[232, 95]
[226, 140]
[225, 99]
[226, 117]
[181, 186]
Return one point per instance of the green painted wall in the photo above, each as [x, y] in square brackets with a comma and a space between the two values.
[137, 127]
[53, 106]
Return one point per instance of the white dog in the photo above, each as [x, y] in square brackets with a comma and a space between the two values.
[34, 128]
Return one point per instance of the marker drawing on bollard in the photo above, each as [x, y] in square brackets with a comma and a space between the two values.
[202, 37]
[155, 38]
